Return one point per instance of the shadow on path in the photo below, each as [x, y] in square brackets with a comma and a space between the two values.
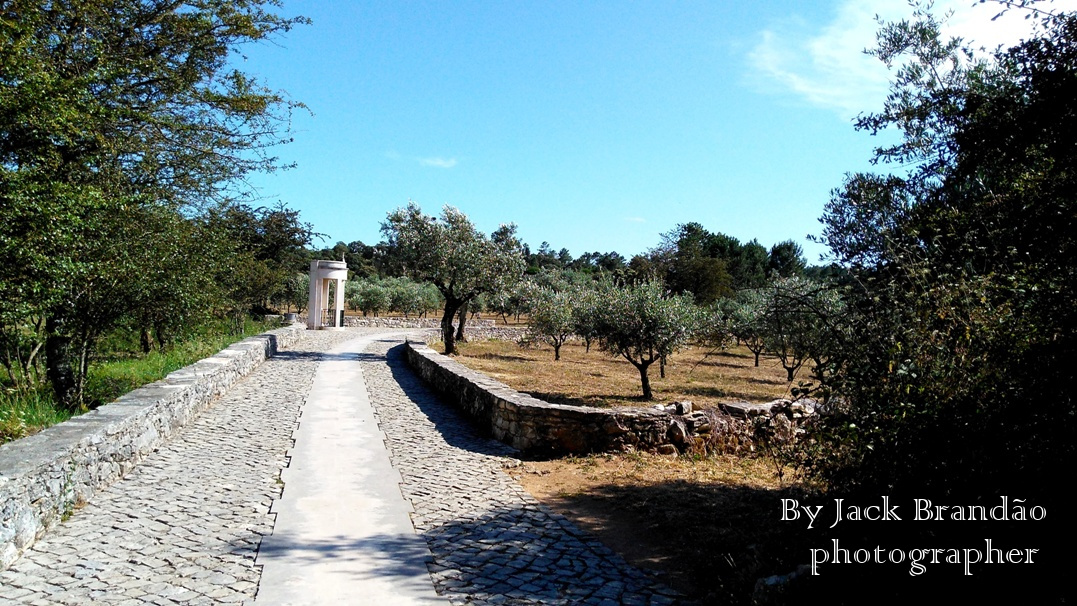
[456, 429]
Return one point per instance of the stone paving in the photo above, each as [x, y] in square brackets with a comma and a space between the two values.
[184, 526]
[492, 543]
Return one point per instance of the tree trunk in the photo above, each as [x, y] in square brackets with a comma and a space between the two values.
[756, 359]
[556, 352]
[462, 318]
[645, 381]
[790, 372]
[59, 358]
[145, 340]
[162, 337]
[662, 367]
[447, 332]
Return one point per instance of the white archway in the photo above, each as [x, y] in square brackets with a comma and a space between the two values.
[319, 314]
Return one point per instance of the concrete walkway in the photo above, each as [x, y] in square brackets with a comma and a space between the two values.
[342, 518]
[389, 498]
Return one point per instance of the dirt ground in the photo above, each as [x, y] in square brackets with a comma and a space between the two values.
[707, 526]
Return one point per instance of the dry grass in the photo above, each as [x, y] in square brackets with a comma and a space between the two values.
[599, 379]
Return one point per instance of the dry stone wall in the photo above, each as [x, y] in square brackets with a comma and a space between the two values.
[537, 427]
[44, 477]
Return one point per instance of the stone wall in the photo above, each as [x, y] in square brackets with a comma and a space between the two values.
[394, 322]
[44, 477]
[537, 427]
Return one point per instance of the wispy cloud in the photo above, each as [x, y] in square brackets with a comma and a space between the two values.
[435, 161]
[635, 220]
[438, 161]
[826, 66]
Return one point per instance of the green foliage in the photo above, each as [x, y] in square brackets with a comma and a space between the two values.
[643, 323]
[786, 260]
[118, 368]
[120, 121]
[801, 321]
[965, 264]
[454, 256]
[746, 320]
[552, 319]
[296, 292]
[712, 266]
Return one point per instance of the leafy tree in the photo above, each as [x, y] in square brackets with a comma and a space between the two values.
[296, 292]
[586, 312]
[746, 316]
[453, 256]
[552, 318]
[786, 260]
[643, 324]
[371, 297]
[750, 269]
[965, 272]
[800, 318]
[111, 112]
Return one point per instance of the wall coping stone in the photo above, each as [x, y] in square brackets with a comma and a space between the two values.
[46, 476]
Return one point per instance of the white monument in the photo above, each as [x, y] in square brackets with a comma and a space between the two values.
[319, 314]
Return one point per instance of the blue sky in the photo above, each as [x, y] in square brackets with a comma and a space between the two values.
[595, 126]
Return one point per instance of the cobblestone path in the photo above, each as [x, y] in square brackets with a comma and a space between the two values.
[183, 527]
[491, 541]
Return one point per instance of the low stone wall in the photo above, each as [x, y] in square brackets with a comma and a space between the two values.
[44, 477]
[387, 322]
[537, 427]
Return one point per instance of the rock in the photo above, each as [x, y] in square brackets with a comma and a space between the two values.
[667, 449]
[682, 408]
[678, 434]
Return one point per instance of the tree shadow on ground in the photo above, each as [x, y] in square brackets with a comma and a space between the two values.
[710, 541]
[720, 544]
[508, 555]
[720, 394]
[504, 357]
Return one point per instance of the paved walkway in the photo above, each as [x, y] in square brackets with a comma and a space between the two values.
[187, 525]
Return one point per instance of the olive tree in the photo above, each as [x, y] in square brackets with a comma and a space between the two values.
[454, 256]
[552, 319]
[643, 324]
[798, 318]
[746, 320]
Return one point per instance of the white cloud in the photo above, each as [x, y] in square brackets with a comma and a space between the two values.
[826, 67]
[635, 219]
[435, 161]
[438, 162]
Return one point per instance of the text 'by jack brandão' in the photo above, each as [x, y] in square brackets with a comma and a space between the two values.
[1006, 509]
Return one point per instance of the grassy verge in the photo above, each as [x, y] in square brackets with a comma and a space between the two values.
[119, 369]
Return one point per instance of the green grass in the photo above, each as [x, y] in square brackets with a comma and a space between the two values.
[22, 414]
[119, 369]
